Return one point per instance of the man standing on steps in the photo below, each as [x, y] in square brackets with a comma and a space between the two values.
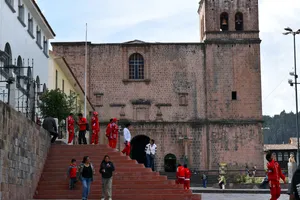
[127, 138]
[109, 132]
[95, 128]
[82, 129]
[114, 133]
[49, 124]
[71, 131]
[150, 150]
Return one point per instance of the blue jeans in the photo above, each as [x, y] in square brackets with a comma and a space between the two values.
[204, 182]
[86, 185]
[150, 161]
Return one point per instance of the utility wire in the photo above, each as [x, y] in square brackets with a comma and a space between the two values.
[275, 88]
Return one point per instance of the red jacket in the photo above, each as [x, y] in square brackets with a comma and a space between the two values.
[95, 124]
[108, 131]
[70, 122]
[180, 172]
[274, 171]
[187, 174]
[115, 131]
[72, 171]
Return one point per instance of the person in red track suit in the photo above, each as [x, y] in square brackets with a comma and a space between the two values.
[187, 178]
[115, 133]
[71, 128]
[180, 174]
[95, 128]
[108, 132]
[274, 176]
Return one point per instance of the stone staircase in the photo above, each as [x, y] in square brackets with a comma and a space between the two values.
[131, 180]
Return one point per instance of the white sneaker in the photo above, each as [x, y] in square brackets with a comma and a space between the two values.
[102, 198]
[109, 199]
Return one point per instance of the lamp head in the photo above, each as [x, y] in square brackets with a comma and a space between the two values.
[292, 73]
[288, 29]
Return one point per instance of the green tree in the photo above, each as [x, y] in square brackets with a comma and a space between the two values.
[57, 104]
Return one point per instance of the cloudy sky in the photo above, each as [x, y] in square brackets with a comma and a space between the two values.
[177, 21]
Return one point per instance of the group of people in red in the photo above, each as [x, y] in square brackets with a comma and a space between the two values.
[83, 127]
[183, 176]
[111, 133]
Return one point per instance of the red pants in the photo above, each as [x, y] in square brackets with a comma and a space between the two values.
[95, 137]
[180, 181]
[275, 190]
[71, 135]
[186, 184]
[112, 143]
[127, 149]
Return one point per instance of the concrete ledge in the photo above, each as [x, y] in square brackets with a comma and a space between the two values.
[236, 191]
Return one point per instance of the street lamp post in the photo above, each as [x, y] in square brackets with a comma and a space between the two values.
[294, 33]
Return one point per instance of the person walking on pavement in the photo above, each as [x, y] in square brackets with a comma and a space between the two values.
[204, 180]
[50, 125]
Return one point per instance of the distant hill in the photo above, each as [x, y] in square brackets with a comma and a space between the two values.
[280, 128]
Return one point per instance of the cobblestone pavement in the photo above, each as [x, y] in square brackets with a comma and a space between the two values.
[208, 196]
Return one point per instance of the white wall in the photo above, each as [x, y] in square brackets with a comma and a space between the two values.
[21, 43]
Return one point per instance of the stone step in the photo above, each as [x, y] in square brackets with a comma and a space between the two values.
[64, 173]
[121, 169]
[131, 180]
[98, 191]
[115, 182]
[65, 186]
[117, 177]
[126, 196]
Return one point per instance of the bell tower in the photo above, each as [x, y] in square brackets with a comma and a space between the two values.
[229, 31]
[228, 17]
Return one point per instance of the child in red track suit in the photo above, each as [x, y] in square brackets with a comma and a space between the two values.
[274, 176]
[187, 178]
[180, 174]
[72, 174]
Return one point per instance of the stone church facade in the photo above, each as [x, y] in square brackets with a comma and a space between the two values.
[199, 101]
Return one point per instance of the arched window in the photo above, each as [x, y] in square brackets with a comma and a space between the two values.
[224, 25]
[136, 66]
[7, 50]
[19, 69]
[239, 23]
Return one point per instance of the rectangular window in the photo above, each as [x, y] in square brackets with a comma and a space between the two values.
[63, 85]
[56, 79]
[234, 95]
[45, 46]
[30, 25]
[286, 156]
[38, 36]
[21, 13]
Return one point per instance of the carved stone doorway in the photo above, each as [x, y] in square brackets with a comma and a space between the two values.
[138, 144]
[170, 163]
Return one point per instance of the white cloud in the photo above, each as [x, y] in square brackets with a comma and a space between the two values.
[177, 20]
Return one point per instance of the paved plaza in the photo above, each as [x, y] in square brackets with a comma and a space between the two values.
[208, 196]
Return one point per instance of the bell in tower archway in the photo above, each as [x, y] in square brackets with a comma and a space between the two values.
[224, 22]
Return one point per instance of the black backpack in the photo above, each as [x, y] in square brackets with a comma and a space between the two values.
[87, 126]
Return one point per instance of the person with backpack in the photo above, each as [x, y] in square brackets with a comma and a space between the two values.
[83, 126]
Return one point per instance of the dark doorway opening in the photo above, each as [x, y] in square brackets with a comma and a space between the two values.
[170, 163]
[138, 144]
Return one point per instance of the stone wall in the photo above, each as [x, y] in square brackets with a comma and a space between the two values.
[23, 150]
